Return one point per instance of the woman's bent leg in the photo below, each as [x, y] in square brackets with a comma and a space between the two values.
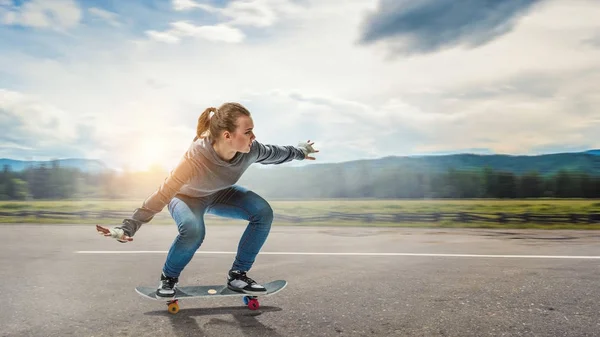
[188, 214]
[239, 203]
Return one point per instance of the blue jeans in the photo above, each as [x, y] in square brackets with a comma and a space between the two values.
[234, 202]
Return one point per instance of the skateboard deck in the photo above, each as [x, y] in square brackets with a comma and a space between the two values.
[210, 291]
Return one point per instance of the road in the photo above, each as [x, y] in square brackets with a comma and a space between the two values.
[66, 280]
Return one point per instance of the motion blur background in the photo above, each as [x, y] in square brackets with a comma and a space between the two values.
[415, 106]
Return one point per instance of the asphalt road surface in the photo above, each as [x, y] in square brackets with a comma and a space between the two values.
[64, 280]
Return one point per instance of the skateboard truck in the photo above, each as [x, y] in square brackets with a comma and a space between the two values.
[250, 301]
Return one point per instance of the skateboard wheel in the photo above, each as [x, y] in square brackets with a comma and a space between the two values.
[174, 307]
[253, 304]
[246, 300]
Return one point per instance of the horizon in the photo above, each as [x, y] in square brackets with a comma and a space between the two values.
[166, 168]
[125, 82]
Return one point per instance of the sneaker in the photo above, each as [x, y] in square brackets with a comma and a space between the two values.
[167, 286]
[238, 281]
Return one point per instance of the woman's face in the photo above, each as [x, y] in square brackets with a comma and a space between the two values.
[241, 139]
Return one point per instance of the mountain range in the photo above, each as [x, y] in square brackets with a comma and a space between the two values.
[545, 164]
[85, 165]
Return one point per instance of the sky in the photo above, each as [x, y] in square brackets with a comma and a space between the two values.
[125, 81]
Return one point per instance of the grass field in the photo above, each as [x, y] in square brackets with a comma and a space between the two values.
[308, 208]
[429, 206]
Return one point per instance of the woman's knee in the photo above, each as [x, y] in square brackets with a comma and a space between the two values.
[191, 229]
[264, 214]
[189, 221]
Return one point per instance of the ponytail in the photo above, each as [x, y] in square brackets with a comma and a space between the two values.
[204, 122]
[225, 118]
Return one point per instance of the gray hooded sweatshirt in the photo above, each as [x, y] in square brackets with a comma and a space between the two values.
[202, 172]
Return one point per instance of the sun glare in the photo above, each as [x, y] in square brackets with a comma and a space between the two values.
[149, 152]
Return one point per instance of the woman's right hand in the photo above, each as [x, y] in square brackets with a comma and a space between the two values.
[116, 233]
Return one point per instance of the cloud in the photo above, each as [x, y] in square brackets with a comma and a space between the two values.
[248, 13]
[251, 14]
[526, 114]
[109, 17]
[216, 33]
[593, 40]
[186, 5]
[212, 33]
[36, 129]
[428, 25]
[48, 14]
[255, 13]
[338, 126]
[33, 128]
[172, 36]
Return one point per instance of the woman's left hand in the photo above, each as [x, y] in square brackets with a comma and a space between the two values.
[307, 148]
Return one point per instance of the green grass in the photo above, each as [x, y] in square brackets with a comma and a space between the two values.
[306, 208]
[547, 206]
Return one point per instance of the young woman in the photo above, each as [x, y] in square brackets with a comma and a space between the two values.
[204, 182]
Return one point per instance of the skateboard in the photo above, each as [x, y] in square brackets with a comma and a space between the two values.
[210, 291]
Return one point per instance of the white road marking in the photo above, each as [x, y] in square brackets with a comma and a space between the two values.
[351, 254]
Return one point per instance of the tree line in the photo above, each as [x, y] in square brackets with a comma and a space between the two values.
[55, 182]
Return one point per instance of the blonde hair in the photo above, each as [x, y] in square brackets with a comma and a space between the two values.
[223, 119]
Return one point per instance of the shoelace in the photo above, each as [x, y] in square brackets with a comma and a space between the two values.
[246, 279]
[170, 282]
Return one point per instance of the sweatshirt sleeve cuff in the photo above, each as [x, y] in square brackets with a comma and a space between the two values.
[300, 154]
